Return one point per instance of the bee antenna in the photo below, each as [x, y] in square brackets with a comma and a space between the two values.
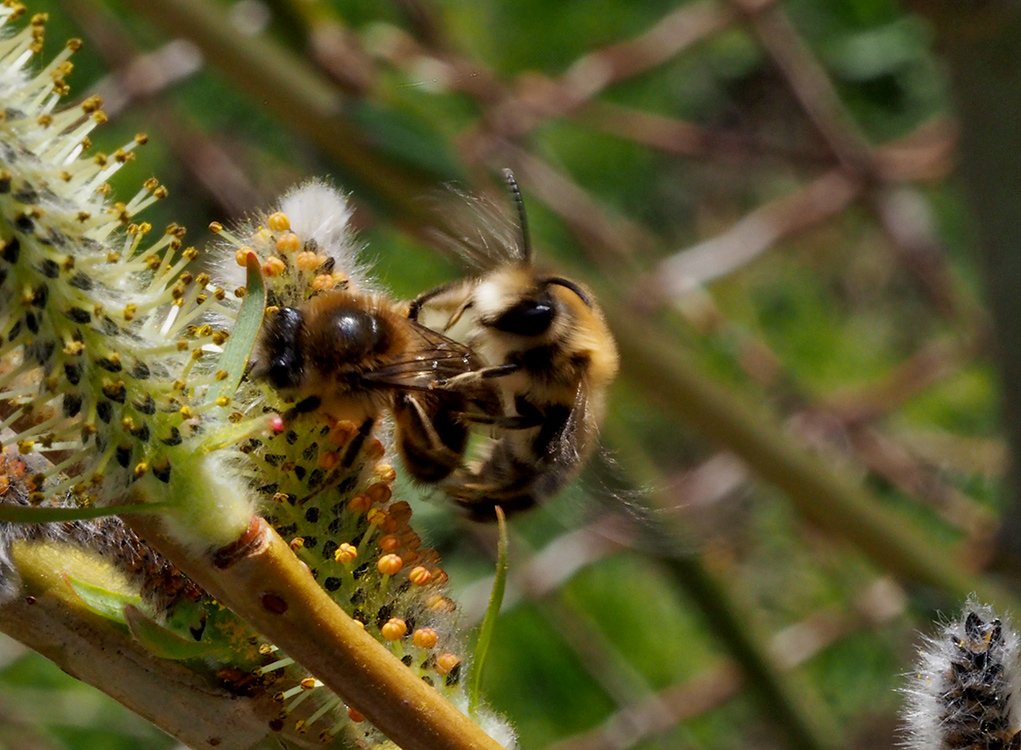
[519, 205]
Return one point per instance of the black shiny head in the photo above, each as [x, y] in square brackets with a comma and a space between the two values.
[531, 316]
[282, 344]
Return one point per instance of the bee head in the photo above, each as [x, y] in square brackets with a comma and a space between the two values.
[282, 360]
[514, 301]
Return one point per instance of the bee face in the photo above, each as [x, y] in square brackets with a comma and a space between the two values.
[529, 316]
[283, 349]
[547, 354]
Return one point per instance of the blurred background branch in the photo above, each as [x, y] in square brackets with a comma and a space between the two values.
[981, 49]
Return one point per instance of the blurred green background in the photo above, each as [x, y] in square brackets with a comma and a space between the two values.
[763, 194]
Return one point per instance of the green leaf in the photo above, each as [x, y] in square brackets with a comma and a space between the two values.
[103, 601]
[162, 642]
[492, 610]
[35, 514]
[239, 345]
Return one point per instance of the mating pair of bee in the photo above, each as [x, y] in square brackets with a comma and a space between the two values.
[509, 353]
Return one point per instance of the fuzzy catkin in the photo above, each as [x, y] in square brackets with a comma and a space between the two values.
[965, 693]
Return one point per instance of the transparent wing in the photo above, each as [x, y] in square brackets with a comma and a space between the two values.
[477, 230]
[433, 358]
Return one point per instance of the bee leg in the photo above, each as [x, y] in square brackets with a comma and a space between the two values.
[485, 511]
[452, 320]
[469, 378]
[415, 306]
[435, 441]
[554, 424]
[354, 445]
[479, 501]
[505, 421]
[304, 406]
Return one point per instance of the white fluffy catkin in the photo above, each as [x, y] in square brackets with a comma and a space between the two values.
[964, 693]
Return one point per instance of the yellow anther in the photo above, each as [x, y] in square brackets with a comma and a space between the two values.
[390, 565]
[278, 222]
[447, 662]
[379, 493]
[273, 267]
[308, 261]
[425, 638]
[288, 243]
[420, 576]
[394, 629]
[345, 554]
[241, 256]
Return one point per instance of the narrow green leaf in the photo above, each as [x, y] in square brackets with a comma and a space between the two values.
[492, 610]
[102, 601]
[162, 642]
[239, 345]
[38, 514]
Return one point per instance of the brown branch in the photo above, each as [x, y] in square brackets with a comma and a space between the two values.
[673, 34]
[143, 80]
[823, 198]
[823, 494]
[682, 138]
[190, 706]
[982, 43]
[306, 101]
[810, 84]
[262, 581]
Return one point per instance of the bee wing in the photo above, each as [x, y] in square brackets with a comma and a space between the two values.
[434, 357]
[575, 440]
[479, 231]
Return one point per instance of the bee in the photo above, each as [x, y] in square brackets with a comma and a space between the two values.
[351, 354]
[547, 358]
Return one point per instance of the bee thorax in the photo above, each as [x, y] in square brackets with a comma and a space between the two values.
[344, 336]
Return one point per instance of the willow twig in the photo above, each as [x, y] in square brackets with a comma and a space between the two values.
[262, 581]
[46, 616]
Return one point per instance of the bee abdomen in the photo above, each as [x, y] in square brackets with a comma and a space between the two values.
[431, 451]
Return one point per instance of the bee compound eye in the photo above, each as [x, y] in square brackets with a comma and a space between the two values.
[529, 317]
[284, 370]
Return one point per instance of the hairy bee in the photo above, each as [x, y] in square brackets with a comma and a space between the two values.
[351, 354]
[548, 357]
